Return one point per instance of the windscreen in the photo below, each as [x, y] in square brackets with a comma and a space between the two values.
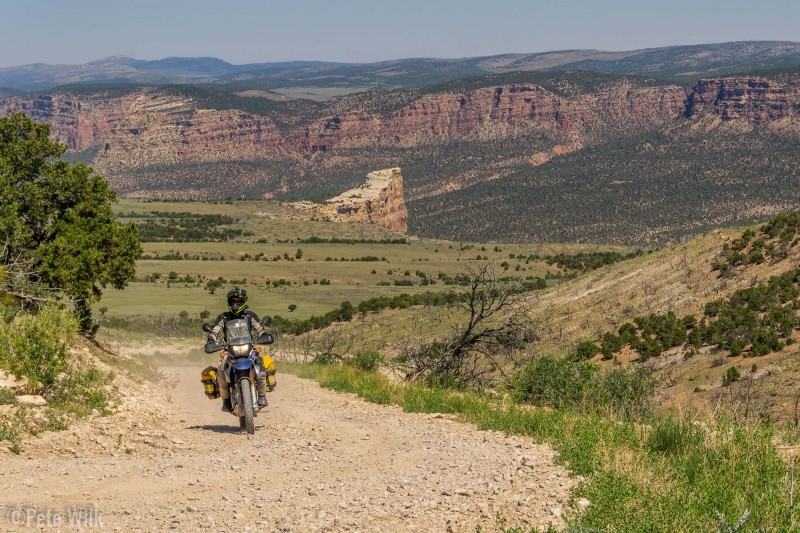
[237, 332]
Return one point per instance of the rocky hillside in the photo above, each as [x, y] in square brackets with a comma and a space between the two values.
[576, 156]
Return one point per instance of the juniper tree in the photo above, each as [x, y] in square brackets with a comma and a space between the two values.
[58, 235]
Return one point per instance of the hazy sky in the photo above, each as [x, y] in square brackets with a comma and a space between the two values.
[242, 31]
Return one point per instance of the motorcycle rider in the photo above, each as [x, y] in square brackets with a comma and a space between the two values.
[237, 308]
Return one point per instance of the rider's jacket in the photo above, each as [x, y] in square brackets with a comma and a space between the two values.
[256, 329]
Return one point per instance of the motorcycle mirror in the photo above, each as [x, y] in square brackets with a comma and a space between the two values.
[267, 320]
[207, 327]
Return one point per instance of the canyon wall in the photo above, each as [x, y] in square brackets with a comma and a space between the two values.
[148, 128]
[753, 99]
[491, 113]
[139, 134]
[162, 130]
[79, 121]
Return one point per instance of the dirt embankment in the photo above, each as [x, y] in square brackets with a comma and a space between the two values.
[319, 461]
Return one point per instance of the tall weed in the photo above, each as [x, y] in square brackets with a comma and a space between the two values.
[7, 396]
[672, 436]
[547, 381]
[81, 389]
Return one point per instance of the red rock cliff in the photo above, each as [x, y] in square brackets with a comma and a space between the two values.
[753, 99]
[79, 122]
[491, 113]
[379, 200]
[151, 130]
[167, 130]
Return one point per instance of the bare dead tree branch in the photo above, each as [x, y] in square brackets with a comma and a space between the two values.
[497, 324]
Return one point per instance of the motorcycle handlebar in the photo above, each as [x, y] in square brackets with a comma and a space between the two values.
[266, 338]
[212, 347]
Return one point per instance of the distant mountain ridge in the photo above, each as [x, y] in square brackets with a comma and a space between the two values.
[118, 68]
[6, 92]
[684, 60]
[667, 62]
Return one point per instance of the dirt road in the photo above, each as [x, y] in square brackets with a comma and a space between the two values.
[319, 461]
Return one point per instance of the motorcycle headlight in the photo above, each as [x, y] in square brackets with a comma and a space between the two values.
[243, 349]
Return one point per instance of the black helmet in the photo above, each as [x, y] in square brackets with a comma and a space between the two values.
[237, 300]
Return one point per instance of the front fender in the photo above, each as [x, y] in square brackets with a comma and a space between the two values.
[242, 364]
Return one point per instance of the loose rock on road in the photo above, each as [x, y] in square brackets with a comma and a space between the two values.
[319, 461]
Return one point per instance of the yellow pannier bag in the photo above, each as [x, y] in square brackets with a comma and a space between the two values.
[269, 365]
[209, 380]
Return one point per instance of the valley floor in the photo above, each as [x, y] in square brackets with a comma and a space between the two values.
[319, 461]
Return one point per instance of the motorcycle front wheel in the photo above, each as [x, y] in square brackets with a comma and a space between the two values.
[247, 422]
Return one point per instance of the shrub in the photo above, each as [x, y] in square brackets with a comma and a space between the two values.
[756, 257]
[624, 392]
[585, 350]
[474, 350]
[610, 344]
[736, 348]
[730, 376]
[627, 332]
[368, 360]
[764, 342]
[647, 348]
[37, 346]
[81, 389]
[579, 385]
[549, 382]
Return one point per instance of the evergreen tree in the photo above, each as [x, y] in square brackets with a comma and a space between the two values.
[59, 235]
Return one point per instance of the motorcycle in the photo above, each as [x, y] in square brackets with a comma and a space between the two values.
[242, 368]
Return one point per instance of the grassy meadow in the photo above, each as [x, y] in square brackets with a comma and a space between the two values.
[265, 262]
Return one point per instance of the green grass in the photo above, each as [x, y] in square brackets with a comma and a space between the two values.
[672, 476]
[9, 433]
[7, 396]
